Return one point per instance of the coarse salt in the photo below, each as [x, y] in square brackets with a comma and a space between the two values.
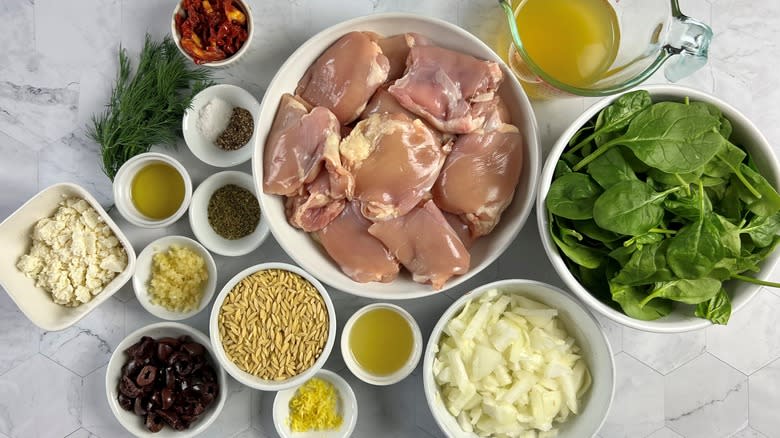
[213, 118]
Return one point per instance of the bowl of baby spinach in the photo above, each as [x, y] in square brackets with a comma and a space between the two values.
[659, 209]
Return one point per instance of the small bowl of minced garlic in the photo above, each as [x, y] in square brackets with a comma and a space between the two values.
[175, 278]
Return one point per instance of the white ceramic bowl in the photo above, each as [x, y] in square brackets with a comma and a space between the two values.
[250, 27]
[681, 319]
[203, 148]
[15, 233]
[249, 379]
[312, 256]
[135, 424]
[348, 409]
[399, 375]
[579, 323]
[143, 274]
[123, 182]
[199, 221]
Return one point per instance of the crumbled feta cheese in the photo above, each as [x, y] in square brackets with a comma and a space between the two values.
[74, 254]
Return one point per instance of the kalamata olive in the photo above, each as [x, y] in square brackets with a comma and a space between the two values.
[183, 385]
[185, 339]
[142, 350]
[128, 388]
[198, 408]
[166, 396]
[141, 407]
[193, 348]
[153, 422]
[170, 378]
[171, 418]
[188, 419]
[156, 399]
[183, 367]
[131, 368]
[164, 351]
[146, 376]
[125, 402]
[173, 342]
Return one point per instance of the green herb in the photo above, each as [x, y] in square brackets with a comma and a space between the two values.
[233, 212]
[146, 108]
[655, 204]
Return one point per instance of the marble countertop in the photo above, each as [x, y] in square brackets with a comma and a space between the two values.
[56, 68]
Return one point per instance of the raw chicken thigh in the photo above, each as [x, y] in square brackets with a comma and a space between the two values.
[384, 103]
[345, 76]
[461, 229]
[394, 162]
[360, 255]
[396, 49]
[479, 177]
[316, 208]
[297, 145]
[425, 244]
[441, 86]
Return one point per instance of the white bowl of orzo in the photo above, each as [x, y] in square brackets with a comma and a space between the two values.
[272, 326]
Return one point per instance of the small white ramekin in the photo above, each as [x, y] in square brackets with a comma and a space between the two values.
[123, 182]
[405, 370]
[199, 218]
[143, 274]
[250, 28]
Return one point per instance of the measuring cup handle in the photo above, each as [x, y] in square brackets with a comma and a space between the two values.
[688, 45]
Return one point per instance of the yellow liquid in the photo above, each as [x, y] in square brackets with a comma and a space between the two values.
[381, 341]
[574, 41]
[157, 191]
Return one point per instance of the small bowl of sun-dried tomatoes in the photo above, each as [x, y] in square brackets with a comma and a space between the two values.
[213, 33]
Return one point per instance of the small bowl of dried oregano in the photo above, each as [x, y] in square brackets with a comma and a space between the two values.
[272, 326]
[225, 215]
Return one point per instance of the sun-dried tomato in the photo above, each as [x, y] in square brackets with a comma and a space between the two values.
[211, 30]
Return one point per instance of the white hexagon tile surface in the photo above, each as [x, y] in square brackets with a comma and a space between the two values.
[706, 398]
[55, 73]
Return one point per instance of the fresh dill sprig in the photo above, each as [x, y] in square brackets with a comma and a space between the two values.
[146, 108]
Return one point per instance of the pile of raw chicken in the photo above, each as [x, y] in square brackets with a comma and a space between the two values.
[395, 151]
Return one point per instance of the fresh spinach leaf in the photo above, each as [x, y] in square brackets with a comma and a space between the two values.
[646, 266]
[629, 207]
[616, 116]
[622, 254]
[765, 205]
[572, 195]
[717, 309]
[610, 169]
[672, 139]
[729, 235]
[726, 161]
[763, 230]
[590, 229]
[630, 297]
[577, 253]
[695, 249]
[685, 291]
[561, 168]
[724, 127]
[688, 207]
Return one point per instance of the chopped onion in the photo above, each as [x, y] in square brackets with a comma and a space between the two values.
[506, 367]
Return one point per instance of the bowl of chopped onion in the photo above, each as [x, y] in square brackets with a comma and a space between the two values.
[518, 356]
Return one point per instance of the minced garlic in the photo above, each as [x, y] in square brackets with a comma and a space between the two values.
[178, 276]
[315, 407]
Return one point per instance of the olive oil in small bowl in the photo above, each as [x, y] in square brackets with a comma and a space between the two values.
[152, 190]
[381, 344]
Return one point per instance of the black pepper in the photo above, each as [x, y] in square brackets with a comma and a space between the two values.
[238, 131]
[233, 212]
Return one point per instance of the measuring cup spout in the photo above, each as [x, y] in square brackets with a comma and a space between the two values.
[688, 43]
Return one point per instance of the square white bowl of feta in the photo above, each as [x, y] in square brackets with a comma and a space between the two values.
[63, 256]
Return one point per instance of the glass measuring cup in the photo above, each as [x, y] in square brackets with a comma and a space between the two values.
[652, 32]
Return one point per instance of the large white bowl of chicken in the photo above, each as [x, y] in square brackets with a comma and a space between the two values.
[396, 156]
